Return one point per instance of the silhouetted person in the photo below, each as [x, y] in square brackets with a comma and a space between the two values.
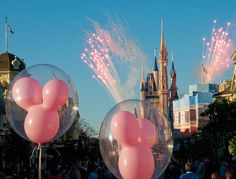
[189, 172]
[215, 175]
[229, 174]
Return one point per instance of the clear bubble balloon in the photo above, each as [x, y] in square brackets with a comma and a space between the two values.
[154, 136]
[41, 103]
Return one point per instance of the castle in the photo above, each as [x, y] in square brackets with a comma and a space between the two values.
[155, 88]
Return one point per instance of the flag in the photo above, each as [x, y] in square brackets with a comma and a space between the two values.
[10, 29]
[204, 69]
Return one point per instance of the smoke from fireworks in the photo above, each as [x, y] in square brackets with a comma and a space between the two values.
[109, 52]
[216, 54]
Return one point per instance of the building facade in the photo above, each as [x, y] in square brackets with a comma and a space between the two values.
[227, 88]
[10, 66]
[155, 88]
[187, 110]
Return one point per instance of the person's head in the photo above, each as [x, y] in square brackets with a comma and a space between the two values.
[188, 167]
[229, 174]
[215, 175]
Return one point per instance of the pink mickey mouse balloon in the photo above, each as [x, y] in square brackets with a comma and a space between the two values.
[42, 103]
[26, 92]
[123, 155]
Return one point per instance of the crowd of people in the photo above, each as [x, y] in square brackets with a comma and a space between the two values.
[96, 169]
[202, 169]
[80, 169]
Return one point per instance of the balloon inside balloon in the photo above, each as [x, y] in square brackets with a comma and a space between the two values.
[130, 132]
[42, 103]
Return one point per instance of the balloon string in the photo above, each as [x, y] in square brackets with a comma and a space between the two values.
[40, 156]
[58, 153]
[32, 154]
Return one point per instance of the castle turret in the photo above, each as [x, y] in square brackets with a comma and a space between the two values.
[173, 86]
[155, 70]
[163, 79]
[142, 87]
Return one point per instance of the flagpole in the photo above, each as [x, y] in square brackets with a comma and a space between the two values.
[202, 74]
[6, 34]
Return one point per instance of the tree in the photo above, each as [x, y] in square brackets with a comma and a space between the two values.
[86, 129]
[221, 125]
[232, 146]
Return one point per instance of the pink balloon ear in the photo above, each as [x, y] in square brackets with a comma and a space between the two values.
[124, 128]
[55, 94]
[26, 92]
[147, 133]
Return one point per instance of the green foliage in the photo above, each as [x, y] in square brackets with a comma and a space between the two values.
[221, 118]
[232, 146]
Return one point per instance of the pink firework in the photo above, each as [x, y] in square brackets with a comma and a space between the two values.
[98, 59]
[216, 54]
[110, 51]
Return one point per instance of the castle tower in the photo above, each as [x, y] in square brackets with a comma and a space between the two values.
[155, 88]
[173, 86]
[155, 69]
[163, 78]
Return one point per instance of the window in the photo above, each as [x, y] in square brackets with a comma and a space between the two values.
[186, 116]
[179, 118]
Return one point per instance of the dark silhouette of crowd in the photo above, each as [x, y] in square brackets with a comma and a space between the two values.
[204, 168]
[79, 169]
[94, 168]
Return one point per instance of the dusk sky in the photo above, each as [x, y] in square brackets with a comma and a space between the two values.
[53, 32]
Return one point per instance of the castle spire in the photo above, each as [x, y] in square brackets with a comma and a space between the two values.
[163, 77]
[173, 87]
[162, 45]
[172, 57]
[173, 73]
[142, 79]
[155, 60]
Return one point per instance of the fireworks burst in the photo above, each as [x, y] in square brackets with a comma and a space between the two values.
[110, 52]
[216, 54]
